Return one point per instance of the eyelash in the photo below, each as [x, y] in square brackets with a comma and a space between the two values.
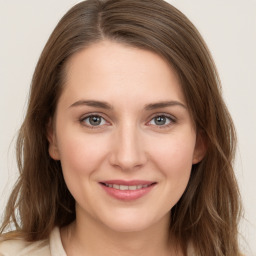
[82, 121]
[171, 119]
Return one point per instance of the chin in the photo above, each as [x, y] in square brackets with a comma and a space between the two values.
[128, 227]
[128, 223]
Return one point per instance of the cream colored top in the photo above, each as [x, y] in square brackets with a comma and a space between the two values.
[51, 247]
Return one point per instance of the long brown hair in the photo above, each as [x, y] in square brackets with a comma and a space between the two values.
[207, 214]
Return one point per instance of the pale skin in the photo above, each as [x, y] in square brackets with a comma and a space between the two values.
[122, 116]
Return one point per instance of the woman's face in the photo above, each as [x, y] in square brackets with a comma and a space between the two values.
[124, 136]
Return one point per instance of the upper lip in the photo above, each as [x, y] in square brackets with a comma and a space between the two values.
[128, 182]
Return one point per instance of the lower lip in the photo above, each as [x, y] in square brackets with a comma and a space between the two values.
[127, 195]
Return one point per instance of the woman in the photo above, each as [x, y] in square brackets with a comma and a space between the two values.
[127, 146]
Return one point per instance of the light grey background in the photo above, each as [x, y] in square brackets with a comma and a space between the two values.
[229, 28]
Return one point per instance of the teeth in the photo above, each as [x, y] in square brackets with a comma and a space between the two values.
[125, 187]
[133, 187]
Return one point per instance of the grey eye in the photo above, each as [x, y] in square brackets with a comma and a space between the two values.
[160, 120]
[94, 120]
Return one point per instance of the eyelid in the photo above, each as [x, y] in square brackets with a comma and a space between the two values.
[170, 117]
[81, 120]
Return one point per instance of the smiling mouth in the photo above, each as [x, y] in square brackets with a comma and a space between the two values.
[127, 190]
[126, 187]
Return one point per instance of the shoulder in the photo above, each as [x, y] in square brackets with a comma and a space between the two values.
[50, 247]
[20, 247]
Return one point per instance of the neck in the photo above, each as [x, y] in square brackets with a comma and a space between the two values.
[86, 236]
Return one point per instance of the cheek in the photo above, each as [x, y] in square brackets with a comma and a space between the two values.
[80, 153]
[174, 155]
[174, 160]
[80, 157]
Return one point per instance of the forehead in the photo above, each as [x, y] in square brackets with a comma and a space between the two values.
[109, 69]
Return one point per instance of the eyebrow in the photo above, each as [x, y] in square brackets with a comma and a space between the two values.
[105, 105]
[92, 103]
[164, 104]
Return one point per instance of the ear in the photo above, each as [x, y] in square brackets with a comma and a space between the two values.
[51, 137]
[200, 148]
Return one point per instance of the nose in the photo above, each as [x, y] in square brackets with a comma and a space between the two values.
[128, 152]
